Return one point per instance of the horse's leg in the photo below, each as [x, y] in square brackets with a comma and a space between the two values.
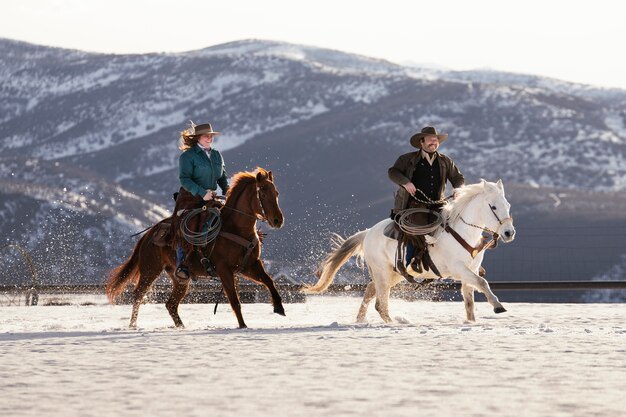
[179, 291]
[138, 294]
[370, 292]
[468, 277]
[382, 282]
[228, 284]
[256, 272]
[468, 299]
[148, 273]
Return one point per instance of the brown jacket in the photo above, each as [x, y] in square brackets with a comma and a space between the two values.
[402, 171]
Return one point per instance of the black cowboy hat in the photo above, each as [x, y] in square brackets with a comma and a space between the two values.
[428, 130]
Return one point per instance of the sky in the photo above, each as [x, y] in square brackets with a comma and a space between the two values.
[578, 41]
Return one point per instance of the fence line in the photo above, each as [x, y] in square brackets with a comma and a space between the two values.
[291, 292]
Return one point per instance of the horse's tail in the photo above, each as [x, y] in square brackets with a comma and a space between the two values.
[128, 271]
[344, 250]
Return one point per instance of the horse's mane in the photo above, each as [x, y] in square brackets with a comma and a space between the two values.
[464, 195]
[240, 182]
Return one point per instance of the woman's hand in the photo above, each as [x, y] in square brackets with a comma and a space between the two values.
[208, 196]
[410, 187]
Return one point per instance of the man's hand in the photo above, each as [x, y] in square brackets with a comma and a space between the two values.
[208, 196]
[410, 187]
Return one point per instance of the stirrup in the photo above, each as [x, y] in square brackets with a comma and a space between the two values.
[208, 267]
[182, 273]
[401, 269]
[414, 268]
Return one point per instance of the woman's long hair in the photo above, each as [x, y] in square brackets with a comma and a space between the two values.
[188, 138]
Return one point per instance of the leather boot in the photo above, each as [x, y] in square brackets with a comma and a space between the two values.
[415, 267]
[182, 273]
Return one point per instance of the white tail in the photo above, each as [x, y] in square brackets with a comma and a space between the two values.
[345, 249]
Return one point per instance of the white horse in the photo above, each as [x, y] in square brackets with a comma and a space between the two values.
[477, 208]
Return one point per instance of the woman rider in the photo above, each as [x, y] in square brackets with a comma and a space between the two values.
[200, 170]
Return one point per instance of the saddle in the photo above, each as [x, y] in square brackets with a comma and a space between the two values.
[163, 235]
[197, 254]
[394, 232]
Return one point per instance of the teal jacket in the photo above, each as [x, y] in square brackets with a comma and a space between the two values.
[199, 173]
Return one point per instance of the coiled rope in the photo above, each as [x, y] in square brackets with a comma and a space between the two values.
[403, 216]
[210, 229]
[403, 222]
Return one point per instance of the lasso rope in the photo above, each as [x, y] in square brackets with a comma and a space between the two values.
[403, 216]
[403, 222]
[210, 229]
[428, 200]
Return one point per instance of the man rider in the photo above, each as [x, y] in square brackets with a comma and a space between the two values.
[422, 175]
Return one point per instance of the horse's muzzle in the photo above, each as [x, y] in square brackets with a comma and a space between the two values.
[508, 235]
[276, 222]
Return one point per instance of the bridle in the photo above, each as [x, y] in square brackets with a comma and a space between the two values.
[501, 222]
[258, 216]
[248, 245]
[495, 235]
[484, 244]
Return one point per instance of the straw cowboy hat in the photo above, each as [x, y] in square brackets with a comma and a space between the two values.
[428, 130]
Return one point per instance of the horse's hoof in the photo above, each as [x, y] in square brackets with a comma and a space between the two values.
[279, 310]
[499, 310]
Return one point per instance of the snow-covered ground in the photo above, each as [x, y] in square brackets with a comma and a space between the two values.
[534, 360]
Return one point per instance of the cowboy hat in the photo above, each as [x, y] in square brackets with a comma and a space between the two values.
[204, 129]
[428, 130]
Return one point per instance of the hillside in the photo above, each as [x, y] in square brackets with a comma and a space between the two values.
[92, 138]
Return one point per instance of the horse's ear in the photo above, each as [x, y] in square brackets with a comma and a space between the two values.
[500, 185]
[259, 176]
[271, 177]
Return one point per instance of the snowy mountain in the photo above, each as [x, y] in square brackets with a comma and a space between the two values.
[85, 130]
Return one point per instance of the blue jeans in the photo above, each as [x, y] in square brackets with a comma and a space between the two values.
[180, 255]
[410, 251]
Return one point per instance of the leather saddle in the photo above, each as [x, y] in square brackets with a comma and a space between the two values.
[163, 234]
[392, 231]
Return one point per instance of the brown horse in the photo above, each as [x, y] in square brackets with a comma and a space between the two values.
[252, 196]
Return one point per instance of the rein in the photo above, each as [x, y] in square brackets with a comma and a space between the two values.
[260, 216]
[213, 226]
[428, 200]
[484, 244]
[403, 222]
[249, 245]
